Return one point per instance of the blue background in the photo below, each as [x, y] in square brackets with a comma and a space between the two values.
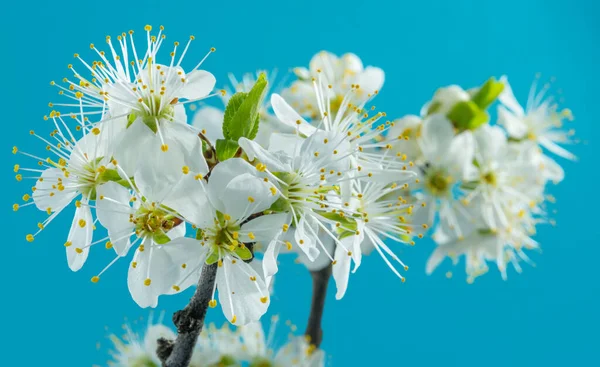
[549, 315]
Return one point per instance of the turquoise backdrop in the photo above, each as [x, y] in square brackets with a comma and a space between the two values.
[549, 315]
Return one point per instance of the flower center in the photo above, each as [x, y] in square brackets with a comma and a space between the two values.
[155, 222]
[152, 110]
[224, 236]
[438, 183]
[490, 178]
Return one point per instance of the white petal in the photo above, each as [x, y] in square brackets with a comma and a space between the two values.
[274, 162]
[210, 120]
[436, 135]
[352, 63]
[305, 236]
[189, 199]
[370, 80]
[198, 84]
[242, 299]
[80, 237]
[341, 271]
[244, 196]
[459, 157]
[254, 339]
[113, 210]
[264, 228]
[557, 149]
[45, 196]
[286, 143]
[286, 114]
[491, 142]
[163, 266]
[514, 125]
[508, 99]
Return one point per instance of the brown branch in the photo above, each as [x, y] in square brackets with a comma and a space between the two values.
[189, 323]
[314, 332]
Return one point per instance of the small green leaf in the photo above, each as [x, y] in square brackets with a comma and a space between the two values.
[243, 252]
[226, 149]
[131, 119]
[242, 113]
[487, 94]
[233, 106]
[467, 115]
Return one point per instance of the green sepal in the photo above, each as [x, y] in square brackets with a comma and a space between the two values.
[109, 174]
[280, 205]
[467, 115]
[130, 119]
[199, 234]
[243, 252]
[226, 149]
[487, 94]
[471, 185]
[161, 238]
[212, 258]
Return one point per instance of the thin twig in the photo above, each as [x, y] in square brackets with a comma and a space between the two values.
[320, 282]
[189, 323]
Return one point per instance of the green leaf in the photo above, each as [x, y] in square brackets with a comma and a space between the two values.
[242, 113]
[199, 234]
[487, 94]
[233, 106]
[243, 252]
[467, 115]
[226, 149]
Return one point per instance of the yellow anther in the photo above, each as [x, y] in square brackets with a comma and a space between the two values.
[233, 319]
[250, 199]
[285, 227]
[212, 303]
[273, 191]
[264, 299]
[16, 168]
[15, 207]
[185, 170]
[251, 235]
[78, 250]
[220, 263]
[148, 28]
[29, 238]
[176, 288]
[288, 244]
[164, 147]
[261, 167]
[68, 243]
[78, 204]
[78, 95]
[147, 282]
[108, 245]
[19, 177]
[95, 279]
[95, 131]
[226, 216]
[81, 223]
[134, 264]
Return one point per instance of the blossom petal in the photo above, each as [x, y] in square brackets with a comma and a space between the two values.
[113, 211]
[198, 84]
[243, 294]
[436, 135]
[46, 196]
[209, 120]
[341, 270]
[508, 99]
[286, 114]
[80, 237]
[273, 162]
[514, 125]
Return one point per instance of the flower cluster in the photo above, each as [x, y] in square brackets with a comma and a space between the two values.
[314, 169]
[248, 345]
[258, 177]
[484, 184]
